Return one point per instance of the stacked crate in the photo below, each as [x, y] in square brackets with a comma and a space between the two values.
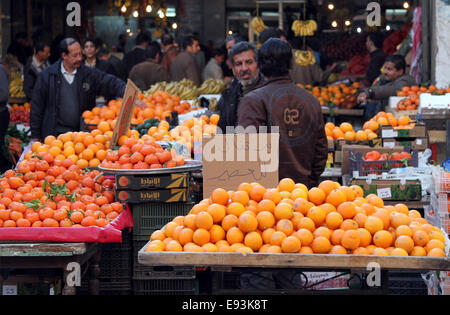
[440, 198]
[415, 138]
[154, 201]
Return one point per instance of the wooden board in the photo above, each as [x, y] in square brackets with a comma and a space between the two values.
[41, 249]
[290, 261]
[343, 112]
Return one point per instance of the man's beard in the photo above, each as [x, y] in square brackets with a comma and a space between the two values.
[249, 82]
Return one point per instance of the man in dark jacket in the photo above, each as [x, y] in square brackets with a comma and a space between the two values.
[137, 55]
[35, 65]
[391, 81]
[244, 63]
[20, 47]
[117, 64]
[279, 102]
[149, 72]
[65, 90]
[184, 66]
[374, 44]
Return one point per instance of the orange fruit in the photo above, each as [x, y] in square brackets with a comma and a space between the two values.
[298, 193]
[217, 212]
[185, 236]
[349, 225]
[265, 220]
[253, 240]
[284, 211]
[437, 235]
[365, 237]
[384, 217]
[399, 252]
[236, 209]
[291, 244]
[277, 238]
[397, 219]
[327, 186]
[317, 214]
[403, 230]
[241, 197]
[328, 208]
[336, 197]
[305, 236]
[405, 242]
[247, 223]
[274, 249]
[316, 196]
[302, 205]
[257, 192]
[201, 236]
[360, 218]
[307, 223]
[322, 231]
[338, 250]
[421, 238]
[380, 252]
[234, 235]
[418, 251]
[286, 184]
[382, 239]
[433, 243]
[351, 239]
[217, 233]
[321, 245]
[272, 195]
[285, 226]
[306, 250]
[347, 210]
[266, 205]
[204, 220]
[220, 196]
[333, 220]
[358, 190]
[436, 252]
[229, 221]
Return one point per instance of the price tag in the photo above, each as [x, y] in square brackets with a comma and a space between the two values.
[384, 193]
[419, 141]
[9, 290]
[389, 133]
[389, 145]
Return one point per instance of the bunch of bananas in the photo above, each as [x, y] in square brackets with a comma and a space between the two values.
[304, 28]
[16, 88]
[304, 58]
[258, 25]
[212, 86]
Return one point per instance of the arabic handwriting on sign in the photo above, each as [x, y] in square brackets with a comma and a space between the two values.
[226, 175]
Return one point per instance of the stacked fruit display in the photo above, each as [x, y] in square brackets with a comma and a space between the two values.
[16, 87]
[137, 154]
[370, 129]
[159, 105]
[412, 96]
[186, 89]
[45, 192]
[328, 219]
[333, 94]
[20, 114]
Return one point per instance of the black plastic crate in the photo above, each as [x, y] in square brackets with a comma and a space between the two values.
[108, 288]
[165, 287]
[149, 217]
[116, 260]
[406, 283]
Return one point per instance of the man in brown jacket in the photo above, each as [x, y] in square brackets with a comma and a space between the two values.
[170, 51]
[184, 65]
[279, 102]
[390, 82]
[149, 72]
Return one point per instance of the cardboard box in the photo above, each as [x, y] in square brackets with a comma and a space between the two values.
[163, 181]
[375, 143]
[419, 144]
[330, 145]
[154, 195]
[391, 189]
[363, 149]
[30, 285]
[389, 132]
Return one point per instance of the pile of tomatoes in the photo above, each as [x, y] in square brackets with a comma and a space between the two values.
[412, 96]
[137, 154]
[45, 192]
[377, 156]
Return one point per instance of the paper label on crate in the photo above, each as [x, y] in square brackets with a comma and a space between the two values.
[390, 145]
[419, 141]
[389, 133]
[9, 290]
[384, 193]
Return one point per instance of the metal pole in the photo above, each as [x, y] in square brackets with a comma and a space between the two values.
[280, 15]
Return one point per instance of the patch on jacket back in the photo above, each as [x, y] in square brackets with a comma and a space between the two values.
[86, 87]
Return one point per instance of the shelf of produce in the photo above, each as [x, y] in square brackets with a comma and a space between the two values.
[343, 112]
[312, 261]
[17, 101]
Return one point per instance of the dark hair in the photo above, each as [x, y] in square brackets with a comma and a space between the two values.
[143, 37]
[122, 36]
[40, 46]
[152, 51]
[167, 39]
[189, 41]
[398, 61]
[218, 52]
[275, 58]
[65, 43]
[236, 37]
[377, 39]
[102, 52]
[240, 48]
[271, 32]
[90, 40]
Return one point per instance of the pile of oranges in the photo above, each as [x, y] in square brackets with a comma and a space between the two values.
[159, 105]
[328, 219]
[85, 149]
[412, 94]
[345, 131]
[334, 94]
[45, 192]
[137, 154]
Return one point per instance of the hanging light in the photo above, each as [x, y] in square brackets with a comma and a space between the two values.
[123, 9]
[348, 23]
[230, 32]
[406, 5]
[359, 30]
[135, 14]
[334, 24]
[388, 27]
[161, 14]
[148, 8]
[174, 26]
[331, 7]
[128, 30]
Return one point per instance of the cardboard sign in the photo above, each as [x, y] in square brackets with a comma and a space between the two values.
[126, 112]
[232, 159]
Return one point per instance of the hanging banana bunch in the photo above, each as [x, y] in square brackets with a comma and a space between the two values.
[304, 28]
[304, 58]
[258, 25]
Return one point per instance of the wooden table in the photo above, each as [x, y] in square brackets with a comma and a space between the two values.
[356, 267]
[39, 256]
